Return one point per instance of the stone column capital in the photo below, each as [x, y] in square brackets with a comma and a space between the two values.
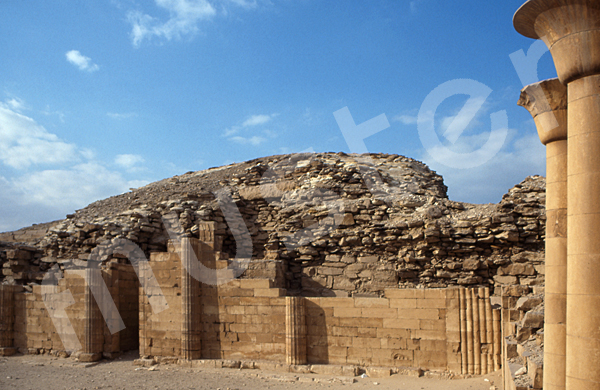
[546, 101]
[570, 28]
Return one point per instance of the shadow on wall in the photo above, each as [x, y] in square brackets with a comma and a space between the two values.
[317, 345]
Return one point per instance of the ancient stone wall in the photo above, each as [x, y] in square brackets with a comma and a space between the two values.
[366, 249]
[40, 312]
[51, 318]
[250, 319]
[411, 237]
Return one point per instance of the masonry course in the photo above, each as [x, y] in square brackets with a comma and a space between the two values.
[376, 285]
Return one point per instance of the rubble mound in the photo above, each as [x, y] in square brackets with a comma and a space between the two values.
[327, 223]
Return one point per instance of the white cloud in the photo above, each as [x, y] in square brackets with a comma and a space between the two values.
[125, 115]
[405, 119]
[15, 104]
[23, 142]
[128, 160]
[73, 187]
[245, 3]
[73, 181]
[184, 16]
[256, 120]
[520, 157]
[251, 122]
[231, 131]
[255, 140]
[81, 61]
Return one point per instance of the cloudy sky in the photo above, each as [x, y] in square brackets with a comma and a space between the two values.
[97, 97]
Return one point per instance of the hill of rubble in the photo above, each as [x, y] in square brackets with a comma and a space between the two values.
[321, 224]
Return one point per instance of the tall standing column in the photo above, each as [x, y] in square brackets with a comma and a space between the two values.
[190, 305]
[295, 331]
[93, 330]
[571, 29]
[547, 103]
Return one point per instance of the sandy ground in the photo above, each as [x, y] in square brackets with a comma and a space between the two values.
[46, 372]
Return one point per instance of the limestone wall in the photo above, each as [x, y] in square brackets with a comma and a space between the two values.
[35, 330]
[52, 318]
[244, 320]
[160, 333]
[408, 328]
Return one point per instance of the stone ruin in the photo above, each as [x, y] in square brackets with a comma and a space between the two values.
[347, 263]
[393, 278]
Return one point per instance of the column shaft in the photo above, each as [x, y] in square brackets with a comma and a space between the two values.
[190, 305]
[295, 331]
[547, 103]
[555, 319]
[93, 330]
[463, 331]
[583, 242]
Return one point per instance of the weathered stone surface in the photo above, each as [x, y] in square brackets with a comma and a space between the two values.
[533, 319]
[424, 239]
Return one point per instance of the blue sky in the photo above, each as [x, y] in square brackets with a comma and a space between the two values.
[97, 97]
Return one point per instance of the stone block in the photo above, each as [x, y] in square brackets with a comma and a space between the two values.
[428, 335]
[433, 345]
[399, 333]
[401, 323]
[345, 331]
[378, 372]
[255, 283]
[368, 259]
[506, 279]
[528, 303]
[533, 319]
[236, 292]
[371, 302]
[420, 314]
[407, 303]
[404, 293]
[393, 343]
[437, 325]
[377, 312]
[336, 302]
[347, 312]
[367, 332]
[364, 342]
[364, 322]
[269, 292]
[439, 303]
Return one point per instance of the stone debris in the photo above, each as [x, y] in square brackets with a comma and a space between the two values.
[403, 232]
[321, 225]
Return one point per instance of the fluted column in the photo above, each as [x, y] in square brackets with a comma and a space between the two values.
[547, 103]
[295, 331]
[190, 305]
[571, 29]
[93, 331]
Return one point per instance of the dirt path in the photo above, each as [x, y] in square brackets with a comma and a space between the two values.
[45, 372]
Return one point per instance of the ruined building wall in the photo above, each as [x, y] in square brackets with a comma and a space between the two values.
[38, 313]
[250, 319]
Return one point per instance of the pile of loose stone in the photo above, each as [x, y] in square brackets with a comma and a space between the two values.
[335, 223]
